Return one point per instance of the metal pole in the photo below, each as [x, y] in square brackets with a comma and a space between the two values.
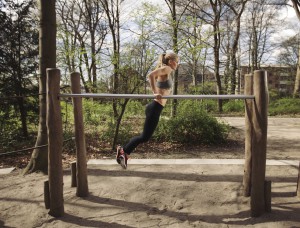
[147, 96]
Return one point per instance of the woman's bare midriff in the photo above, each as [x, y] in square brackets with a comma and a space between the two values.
[163, 92]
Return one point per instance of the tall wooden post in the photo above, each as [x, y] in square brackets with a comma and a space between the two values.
[248, 134]
[298, 183]
[259, 143]
[55, 143]
[81, 168]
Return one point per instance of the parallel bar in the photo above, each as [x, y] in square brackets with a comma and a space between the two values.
[146, 96]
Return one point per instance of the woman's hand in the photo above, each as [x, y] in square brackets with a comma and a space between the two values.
[157, 96]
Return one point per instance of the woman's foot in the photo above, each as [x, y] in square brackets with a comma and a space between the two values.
[121, 157]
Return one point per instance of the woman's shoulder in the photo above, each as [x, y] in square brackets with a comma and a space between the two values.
[167, 69]
[162, 72]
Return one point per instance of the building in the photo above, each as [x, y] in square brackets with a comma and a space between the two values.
[280, 78]
[185, 76]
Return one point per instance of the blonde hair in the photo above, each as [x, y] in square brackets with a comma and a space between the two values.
[163, 59]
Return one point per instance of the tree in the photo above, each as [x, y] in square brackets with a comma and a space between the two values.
[47, 54]
[175, 23]
[18, 56]
[217, 9]
[141, 51]
[237, 9]
[296, 5]
[289, 52]
[193, 44]
[112, 11]
[262, 23]
[83, 31]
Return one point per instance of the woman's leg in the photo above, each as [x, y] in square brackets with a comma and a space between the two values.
[153, 111]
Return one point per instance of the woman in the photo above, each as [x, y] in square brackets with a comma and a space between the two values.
[161, 85]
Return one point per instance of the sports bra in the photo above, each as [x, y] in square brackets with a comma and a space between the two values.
[164, 84]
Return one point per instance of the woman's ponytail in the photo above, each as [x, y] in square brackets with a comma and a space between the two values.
[161, 60]
[164, 58]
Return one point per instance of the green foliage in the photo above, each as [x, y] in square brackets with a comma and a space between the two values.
[131, 124]
[18, 66]
[135, 107]
[274, 95]
[285, 106]
[11, 135]
[95, 113]
[99, 120]
[210, 106]
[206, 88]
[126, 131]
[234, 106]
[9, 130]
[192, 125]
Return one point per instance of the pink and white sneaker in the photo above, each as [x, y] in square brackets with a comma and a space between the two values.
[121, 157]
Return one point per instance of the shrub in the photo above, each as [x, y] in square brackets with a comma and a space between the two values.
[95, 113]
[135, 107]
[285, 106]
[235, 106]
[191, 125]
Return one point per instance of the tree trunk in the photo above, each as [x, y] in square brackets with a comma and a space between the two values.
[297, 80]
[217, 67]
[47, 55]
[23, 116]
[216, 30]
[233, 58]
[175, 49]
[19, 88]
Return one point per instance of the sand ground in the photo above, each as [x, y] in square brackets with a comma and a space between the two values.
[169, 195]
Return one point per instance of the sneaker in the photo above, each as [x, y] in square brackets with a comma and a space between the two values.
[121, 157]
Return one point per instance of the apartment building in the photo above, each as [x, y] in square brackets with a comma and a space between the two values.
[280, 78]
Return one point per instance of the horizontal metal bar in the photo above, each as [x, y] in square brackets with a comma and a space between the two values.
[148, 96]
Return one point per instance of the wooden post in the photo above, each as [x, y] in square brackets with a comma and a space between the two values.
[46, 194]
[298, 183]
[82, 183]
[73, 175]
[55, 143]
[248, 134]
[259, 143]
[268, 196]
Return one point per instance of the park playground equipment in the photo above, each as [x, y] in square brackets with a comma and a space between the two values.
[256, 122]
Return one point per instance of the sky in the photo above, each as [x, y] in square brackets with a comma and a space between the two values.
[289, 15]
[290, 25]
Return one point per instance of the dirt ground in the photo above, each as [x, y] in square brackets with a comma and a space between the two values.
[171, 195]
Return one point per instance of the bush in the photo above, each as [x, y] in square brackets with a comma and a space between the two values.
[135, 107]
[95, 112]
[108, 134]
[235, 106]
[191, 125]
[285, 106]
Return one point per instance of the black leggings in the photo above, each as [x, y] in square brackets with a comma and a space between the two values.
[153, 111]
